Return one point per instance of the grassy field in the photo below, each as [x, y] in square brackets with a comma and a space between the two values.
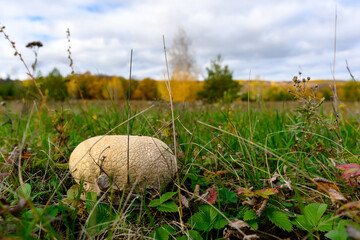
[257, 170]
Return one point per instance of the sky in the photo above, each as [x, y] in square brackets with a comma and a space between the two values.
[263, 39]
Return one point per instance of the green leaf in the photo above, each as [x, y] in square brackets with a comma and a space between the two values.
[326, 223]
[253, 224]
[339, 233]
[220, 223]
[170, 229]
[161, 234]
[227, 196]
[52, 211]
[168, 207]
[200, 222]
[313, 213]
[249, 215]
[195, 235]
[210, 213]
[279, 219]
[154, 203]
[302, 223]
[166, 196]
[24, 190]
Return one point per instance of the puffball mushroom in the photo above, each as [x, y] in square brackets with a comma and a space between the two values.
[151, 162]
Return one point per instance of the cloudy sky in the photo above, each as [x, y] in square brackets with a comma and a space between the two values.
[273, 39]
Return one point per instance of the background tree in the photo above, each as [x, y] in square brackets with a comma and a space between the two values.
[219, 84]
[34, 46]
[146, 90]
[183, 68]
[182, 60]
[54, 86]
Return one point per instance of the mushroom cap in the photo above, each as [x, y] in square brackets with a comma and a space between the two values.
[151, 162]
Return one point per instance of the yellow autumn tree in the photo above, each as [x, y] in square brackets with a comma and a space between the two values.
[113, 89]
[147, 89]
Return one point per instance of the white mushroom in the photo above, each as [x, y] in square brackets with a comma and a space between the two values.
[151, 162]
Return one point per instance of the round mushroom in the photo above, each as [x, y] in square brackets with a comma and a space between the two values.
[151, 162]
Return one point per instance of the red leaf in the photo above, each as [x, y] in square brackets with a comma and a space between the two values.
[350, 170]
[212, 196]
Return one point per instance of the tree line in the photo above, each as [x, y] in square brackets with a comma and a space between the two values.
[218, 87]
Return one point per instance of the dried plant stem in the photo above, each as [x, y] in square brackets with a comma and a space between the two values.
[128, 123]
[22, 146]
[17, 53]
[174, 134]
[335, 98]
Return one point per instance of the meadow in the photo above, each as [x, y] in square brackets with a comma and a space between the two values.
[246, 170]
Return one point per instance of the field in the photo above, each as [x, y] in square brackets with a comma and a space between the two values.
[258, 170]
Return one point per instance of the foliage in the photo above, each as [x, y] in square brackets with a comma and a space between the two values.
[164, 204]
[312, 218]
[147, 90]
[207, 219]
[219, 84]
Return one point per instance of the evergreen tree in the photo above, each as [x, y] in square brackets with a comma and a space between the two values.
[219, 85]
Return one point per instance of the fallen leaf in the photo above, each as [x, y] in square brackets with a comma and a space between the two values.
[251, 237]
[239, 224]
[184, 201]
[350, 170]
[274, 179]
[323, 185]
[350, 209]
[210, 195]
[336, 196]
[245, 192]
[221, 172]
[265, 193]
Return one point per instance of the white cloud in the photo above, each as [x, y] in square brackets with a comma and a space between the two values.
[271, 38]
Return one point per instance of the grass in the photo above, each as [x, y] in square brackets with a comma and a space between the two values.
[221, 148]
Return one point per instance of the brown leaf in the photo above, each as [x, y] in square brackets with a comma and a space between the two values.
[5, 207]
[274, 179]
[251, 237]
[196, 191]
[184, 201]
[323, 185]
[239, 224]
[336, 196]
[262, 208]
[350, 209]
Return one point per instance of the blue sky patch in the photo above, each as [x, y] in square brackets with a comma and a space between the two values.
[36, 18]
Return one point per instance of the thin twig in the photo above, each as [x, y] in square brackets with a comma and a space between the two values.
[174, 135]
[128, 123]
